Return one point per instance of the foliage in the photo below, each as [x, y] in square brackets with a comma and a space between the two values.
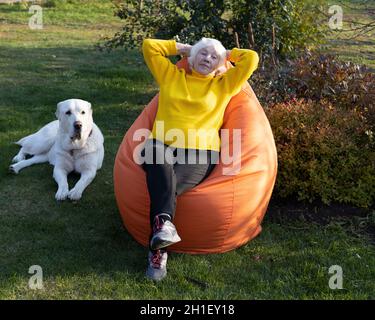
[322, 112]
[345, 84]
[187, 21]
[318, 76]
[294, 20]
[325, 153]
[297, 25]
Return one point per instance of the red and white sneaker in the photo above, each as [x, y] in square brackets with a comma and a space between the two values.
[157, 265]
[164, 234]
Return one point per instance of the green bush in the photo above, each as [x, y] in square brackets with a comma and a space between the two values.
[325, 153]
[186, 21]
[295, 22]
[298, 25]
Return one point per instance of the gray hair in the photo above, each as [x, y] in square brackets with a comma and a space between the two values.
[207, 42]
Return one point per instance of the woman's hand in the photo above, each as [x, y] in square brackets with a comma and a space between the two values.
[221, 70]
[183, 49]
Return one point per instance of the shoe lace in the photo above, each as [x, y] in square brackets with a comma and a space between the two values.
[158, 223]
[156, 259]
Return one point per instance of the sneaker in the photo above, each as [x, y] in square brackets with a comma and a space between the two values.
[157, 265]
[164, 235]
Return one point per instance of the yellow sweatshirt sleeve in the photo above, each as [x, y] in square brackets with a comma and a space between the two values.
[246, 63]
[155, 53]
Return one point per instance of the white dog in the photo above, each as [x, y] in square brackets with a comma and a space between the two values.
[71, 143]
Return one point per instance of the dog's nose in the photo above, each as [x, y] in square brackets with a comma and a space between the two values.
[78, 125]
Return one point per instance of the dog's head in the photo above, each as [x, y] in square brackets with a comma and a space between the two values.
[75, 117]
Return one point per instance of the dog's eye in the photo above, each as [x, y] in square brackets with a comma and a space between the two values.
[68, 113]
[83, 112]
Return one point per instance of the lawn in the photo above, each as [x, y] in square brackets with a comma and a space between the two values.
[82, 246]
[345, 44]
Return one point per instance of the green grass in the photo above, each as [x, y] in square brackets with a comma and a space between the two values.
[358, 49]
[82, 247]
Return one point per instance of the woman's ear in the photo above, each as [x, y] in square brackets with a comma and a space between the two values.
[190, 60]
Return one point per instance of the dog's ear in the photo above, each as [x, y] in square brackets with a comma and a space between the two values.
[57, 113]
[89, 104]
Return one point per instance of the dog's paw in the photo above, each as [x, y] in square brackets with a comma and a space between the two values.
[74, 194]
[61, 194]
[13, 168]
[18, 158]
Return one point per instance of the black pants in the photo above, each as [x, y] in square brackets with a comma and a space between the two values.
[172, 171]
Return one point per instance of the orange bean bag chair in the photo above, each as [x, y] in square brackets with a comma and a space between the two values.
[225, 210]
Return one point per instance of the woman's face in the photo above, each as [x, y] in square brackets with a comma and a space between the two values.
[206, 60]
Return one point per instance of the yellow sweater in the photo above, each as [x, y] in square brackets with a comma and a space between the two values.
[191, 106]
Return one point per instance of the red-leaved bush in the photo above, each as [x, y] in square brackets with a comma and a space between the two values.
[325, 152]
[316, 76]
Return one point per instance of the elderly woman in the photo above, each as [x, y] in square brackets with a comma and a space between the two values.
[191, 107]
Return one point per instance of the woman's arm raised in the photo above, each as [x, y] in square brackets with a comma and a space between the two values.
[183, 49]
[155, 53]
[246, 61]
